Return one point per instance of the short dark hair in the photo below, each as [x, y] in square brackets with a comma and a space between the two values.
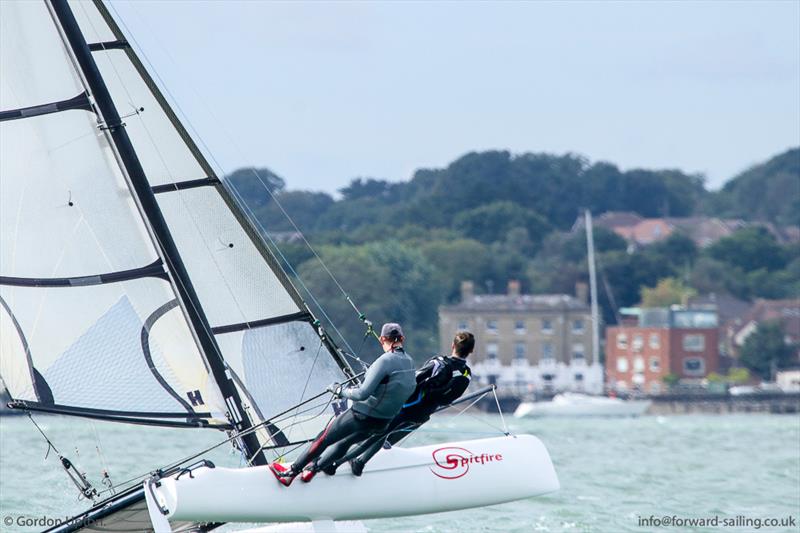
[464, 343]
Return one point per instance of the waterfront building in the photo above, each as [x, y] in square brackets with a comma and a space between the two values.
[677, 342]
[527, 343]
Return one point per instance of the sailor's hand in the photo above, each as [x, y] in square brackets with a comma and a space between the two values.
[335, 388]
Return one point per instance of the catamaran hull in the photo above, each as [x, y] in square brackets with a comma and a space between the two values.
[397, 482]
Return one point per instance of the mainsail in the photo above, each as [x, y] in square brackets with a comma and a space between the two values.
[132, 287]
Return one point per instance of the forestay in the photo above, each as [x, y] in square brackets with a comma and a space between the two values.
[89, 319]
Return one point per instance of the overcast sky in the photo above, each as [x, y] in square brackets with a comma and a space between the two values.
[325, 92]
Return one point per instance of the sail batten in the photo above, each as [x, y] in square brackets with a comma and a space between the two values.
[134, 282]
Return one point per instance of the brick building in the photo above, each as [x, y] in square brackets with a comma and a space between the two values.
[526, 342]
[682, 342]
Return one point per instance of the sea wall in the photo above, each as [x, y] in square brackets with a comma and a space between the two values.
[672, 404]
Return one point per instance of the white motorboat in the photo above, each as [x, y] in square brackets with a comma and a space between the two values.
[576, 404]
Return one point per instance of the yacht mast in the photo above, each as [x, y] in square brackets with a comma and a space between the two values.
[151, 211]
[592, 289]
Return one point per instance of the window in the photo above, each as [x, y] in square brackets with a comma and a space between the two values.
[578, 377]
[462, 325]
[622, 341]
[638, 364]
[655, 364]
[655, 340]
[638, 342]
[694, 343]
[519, 352]
[622, 364]
[694, 366]
[547, 325]
[491, 351]
[578, 352]
[491, 327]
[547, 351]
[577, 327]
[519, 327]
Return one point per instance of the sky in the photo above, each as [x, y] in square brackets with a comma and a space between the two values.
[323, 92]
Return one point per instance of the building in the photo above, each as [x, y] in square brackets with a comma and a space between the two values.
[704, 231]
[785, 312]
[526, 343]
[680, 342]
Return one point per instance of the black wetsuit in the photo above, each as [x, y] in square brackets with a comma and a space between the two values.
[440, 381]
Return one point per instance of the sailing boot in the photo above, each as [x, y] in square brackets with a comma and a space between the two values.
[284, 475]
[308, 473]
[357, 467]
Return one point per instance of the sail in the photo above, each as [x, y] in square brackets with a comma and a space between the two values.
[88, 322]
[263, 329]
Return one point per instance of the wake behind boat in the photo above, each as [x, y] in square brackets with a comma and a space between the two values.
[576, 404]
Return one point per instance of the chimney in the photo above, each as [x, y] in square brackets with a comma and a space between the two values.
[582, 292]
[513, 288]
[467, 291]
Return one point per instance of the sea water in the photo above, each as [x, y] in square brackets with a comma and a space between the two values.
[616, 475]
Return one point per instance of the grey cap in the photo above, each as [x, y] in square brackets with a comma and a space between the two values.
[391, 329]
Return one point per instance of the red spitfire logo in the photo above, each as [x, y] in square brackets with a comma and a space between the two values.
[453, 462]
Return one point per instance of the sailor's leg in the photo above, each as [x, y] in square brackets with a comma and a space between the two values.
[402, 431]
[332, 459]
[339, 428]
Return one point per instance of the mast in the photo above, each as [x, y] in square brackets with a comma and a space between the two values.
[223, 190]
[593, 289]
[151, 211]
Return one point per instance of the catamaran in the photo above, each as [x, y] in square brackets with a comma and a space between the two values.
[137, 287]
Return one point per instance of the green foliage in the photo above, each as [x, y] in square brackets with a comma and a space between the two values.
[402, 248]
[389, 281]
[765, 350]
[492, 222]
[671, 379]
[769, 191]
[668, 291]
[750, 249]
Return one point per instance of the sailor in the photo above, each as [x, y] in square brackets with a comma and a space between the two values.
[440, 381]
[387, 384]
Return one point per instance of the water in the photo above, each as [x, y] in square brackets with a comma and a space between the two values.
[612, 471]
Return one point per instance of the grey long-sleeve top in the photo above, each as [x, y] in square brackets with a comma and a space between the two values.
[387, 385]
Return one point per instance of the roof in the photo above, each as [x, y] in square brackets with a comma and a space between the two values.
[785, 311]
[521, 303]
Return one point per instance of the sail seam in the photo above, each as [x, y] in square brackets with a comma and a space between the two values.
[302, 316]
[80, 102]
[153, 270]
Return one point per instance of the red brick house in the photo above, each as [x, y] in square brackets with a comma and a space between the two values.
[666, 341]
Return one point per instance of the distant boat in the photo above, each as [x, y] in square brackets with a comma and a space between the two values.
[575, 404]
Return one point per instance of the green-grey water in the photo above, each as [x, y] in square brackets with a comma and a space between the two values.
[612, 471]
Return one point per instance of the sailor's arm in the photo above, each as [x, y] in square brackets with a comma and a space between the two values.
[372, 379]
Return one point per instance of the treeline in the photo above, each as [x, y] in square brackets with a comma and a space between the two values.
[401, 249]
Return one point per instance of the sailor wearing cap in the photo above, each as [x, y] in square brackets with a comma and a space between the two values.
[386, 386]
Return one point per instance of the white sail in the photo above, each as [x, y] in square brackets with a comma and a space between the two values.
[77, 264]
[261, 325]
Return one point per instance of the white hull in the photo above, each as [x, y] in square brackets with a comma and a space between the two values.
[581, 405]
[397, 482]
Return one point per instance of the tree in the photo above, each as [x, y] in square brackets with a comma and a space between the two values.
[765, 350]
[668, 291]
[750, 249]
[492, 222]
[388, 282]
[768, 191]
